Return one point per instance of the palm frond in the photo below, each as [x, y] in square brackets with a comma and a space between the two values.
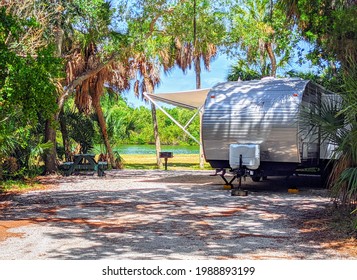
[326, 117]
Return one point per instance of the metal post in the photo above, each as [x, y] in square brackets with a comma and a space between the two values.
[165, 163]
[240, 169]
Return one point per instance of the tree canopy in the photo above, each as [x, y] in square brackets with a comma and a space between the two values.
[52, 52]
[258, 37]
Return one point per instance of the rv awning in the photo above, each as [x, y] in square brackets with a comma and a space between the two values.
[192, 99]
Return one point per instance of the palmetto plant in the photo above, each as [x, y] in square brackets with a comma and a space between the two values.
[345, 172]
[35, 155]
[7, 144]
[336, 121]
[80, 129]
[21, 150]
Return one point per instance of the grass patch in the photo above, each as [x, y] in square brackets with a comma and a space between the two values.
[178, 162]
[19, 185]
[343, 221]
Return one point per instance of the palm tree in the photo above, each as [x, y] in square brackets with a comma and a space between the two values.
[89, 92]
[196, 36]
[149, 70]
[90, 68]
[152, 49]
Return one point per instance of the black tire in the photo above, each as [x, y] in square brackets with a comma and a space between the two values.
[256, 178]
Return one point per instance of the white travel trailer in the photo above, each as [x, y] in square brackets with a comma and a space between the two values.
[260, 121]
[255, 125]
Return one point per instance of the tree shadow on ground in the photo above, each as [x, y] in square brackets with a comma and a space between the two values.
[165, 218]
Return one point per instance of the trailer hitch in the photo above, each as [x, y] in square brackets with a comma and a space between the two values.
[238, 173]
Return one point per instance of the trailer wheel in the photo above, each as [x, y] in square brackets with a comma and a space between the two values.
[256, 178]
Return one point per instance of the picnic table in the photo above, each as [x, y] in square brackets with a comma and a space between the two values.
[84, 162]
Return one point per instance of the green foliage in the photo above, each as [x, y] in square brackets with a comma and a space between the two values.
[240, 71]
[255, 26]
[128, 125]
[27, 94]
[28, 84]
[348, 178]
[91, 21]
[327, 78]
[18, 185]
[329, 25]
[337, 122]
[120, 118]
[210, 27]
[34, 158]
[119, 161]
[349, 86]
[171, 134]
[81, 129]
[27, 148]
[345, 171]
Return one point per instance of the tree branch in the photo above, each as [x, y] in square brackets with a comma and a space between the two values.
[79, 80]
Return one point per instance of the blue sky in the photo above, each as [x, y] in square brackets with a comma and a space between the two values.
[176, 80]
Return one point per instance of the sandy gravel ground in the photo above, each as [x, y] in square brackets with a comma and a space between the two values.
[168, 215]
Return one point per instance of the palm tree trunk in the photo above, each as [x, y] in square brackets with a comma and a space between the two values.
[262, 57]
[65, 139]
[198, 72]
[51, 155]
[198, 86]
[149, 88]
[156, 135]
[269, 49]
[50, 131]
[103, 127]
[198, 76]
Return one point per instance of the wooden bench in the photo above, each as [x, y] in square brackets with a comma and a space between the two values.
[66, 165]
[102, 165]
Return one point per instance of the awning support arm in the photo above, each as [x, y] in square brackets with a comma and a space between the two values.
[190, 121]
[171, 118]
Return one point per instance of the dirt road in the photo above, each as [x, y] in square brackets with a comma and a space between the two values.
[168, 215]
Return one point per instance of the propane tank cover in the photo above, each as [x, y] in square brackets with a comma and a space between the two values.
[250, 155]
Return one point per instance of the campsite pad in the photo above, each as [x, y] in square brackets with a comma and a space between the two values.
[132, 214]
